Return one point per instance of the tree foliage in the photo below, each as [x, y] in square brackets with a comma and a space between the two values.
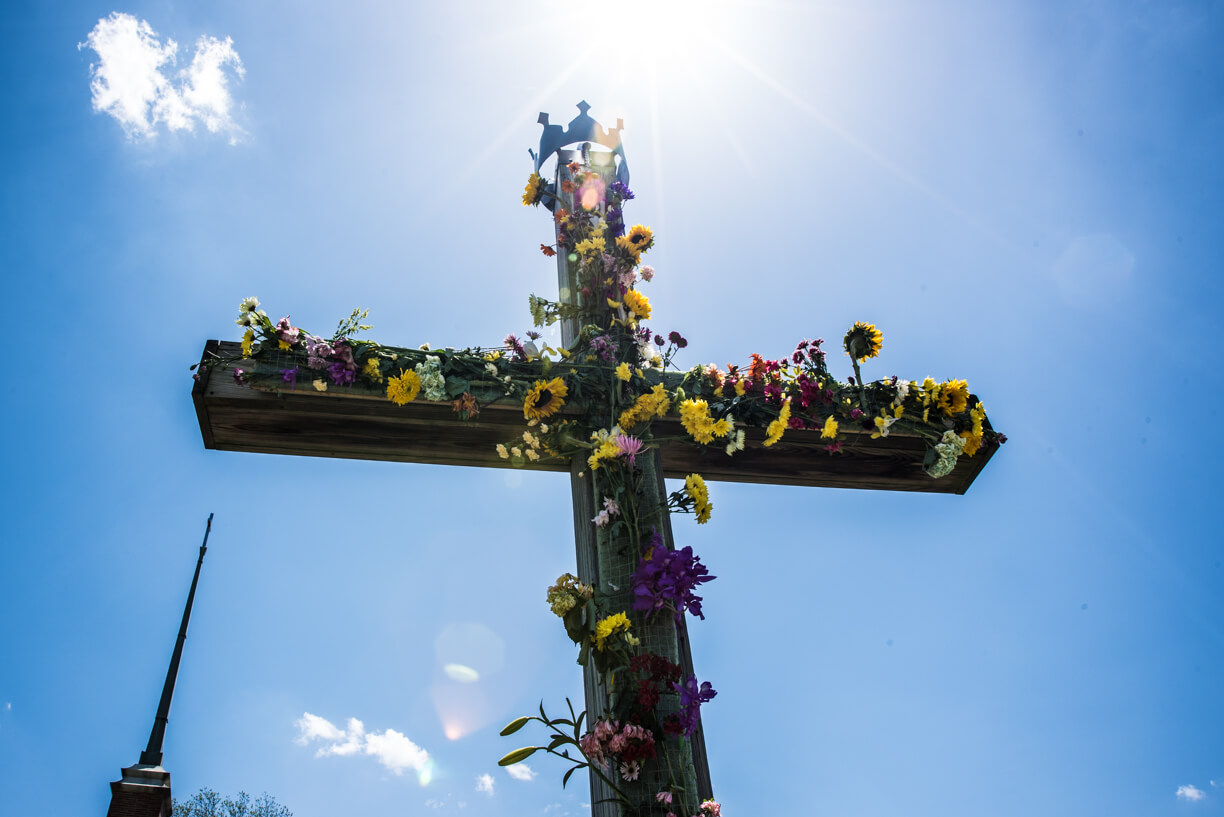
[208, 803]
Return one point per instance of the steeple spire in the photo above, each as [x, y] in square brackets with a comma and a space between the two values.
[152, 755]
[144, 789]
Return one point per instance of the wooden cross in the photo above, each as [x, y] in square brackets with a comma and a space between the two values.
[335, 423]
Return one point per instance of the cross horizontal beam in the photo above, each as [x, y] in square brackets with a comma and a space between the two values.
[350, 425]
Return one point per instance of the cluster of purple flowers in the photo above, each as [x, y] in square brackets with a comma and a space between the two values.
[692, 697]
[666, 579]
[604, 346]
[336, 358]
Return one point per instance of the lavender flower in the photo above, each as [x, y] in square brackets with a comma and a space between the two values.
[290, 376]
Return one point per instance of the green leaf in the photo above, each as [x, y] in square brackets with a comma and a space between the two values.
[518, 756]
[565, 779]
[515, 725]
[557, 741]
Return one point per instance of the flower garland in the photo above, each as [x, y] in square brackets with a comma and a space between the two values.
[598, 399]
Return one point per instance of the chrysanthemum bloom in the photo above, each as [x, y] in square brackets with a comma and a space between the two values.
[863, 341]
[735, 443]
[623, 372]
[371, 370]
[638, 304]
[248, 342]
[605, 628]
[248, 305]
[545, 399]
[696, 419]
[647, 272]
[774, 432]
[695, 487]
[654, 403]
[534, 190]
[953, 397]
[629, 447]
[404, 388]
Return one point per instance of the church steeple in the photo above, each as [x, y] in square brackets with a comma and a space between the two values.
[144, 789]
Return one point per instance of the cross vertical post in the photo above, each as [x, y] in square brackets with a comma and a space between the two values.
[605, 564]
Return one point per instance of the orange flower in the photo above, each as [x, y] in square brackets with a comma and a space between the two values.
[547, 250]
[757, 369]
[568, 187]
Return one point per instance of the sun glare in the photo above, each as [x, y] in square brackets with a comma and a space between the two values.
[655, 31]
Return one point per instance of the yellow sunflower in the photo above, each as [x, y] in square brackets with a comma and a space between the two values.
[863, 341]
[534, 190]
[953, 397]
[403, 389]
[638, 304]
[637, 241]
[545, 399]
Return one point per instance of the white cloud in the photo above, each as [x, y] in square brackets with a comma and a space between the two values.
[397, 752]
[312, 726]
[391, 748]
[484, 783]
[1213, 783]
[128, 81]
[1190, 793]
[520, 771]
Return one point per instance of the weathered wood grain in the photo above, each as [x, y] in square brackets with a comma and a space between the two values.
[345, 425]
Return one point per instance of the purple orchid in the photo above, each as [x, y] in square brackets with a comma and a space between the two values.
[691, 698]
[665, 579]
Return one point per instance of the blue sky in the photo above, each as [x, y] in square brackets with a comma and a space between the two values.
[1025, 195]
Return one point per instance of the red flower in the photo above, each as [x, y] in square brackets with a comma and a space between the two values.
[547, 250]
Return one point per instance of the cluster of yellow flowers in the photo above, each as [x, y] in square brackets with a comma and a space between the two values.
[973, 439]
[605, 447]
[654, 403]
[696, 419]
[774, 432]
[567, 594]
[608, 626]
[404, 388]
[695, 487]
